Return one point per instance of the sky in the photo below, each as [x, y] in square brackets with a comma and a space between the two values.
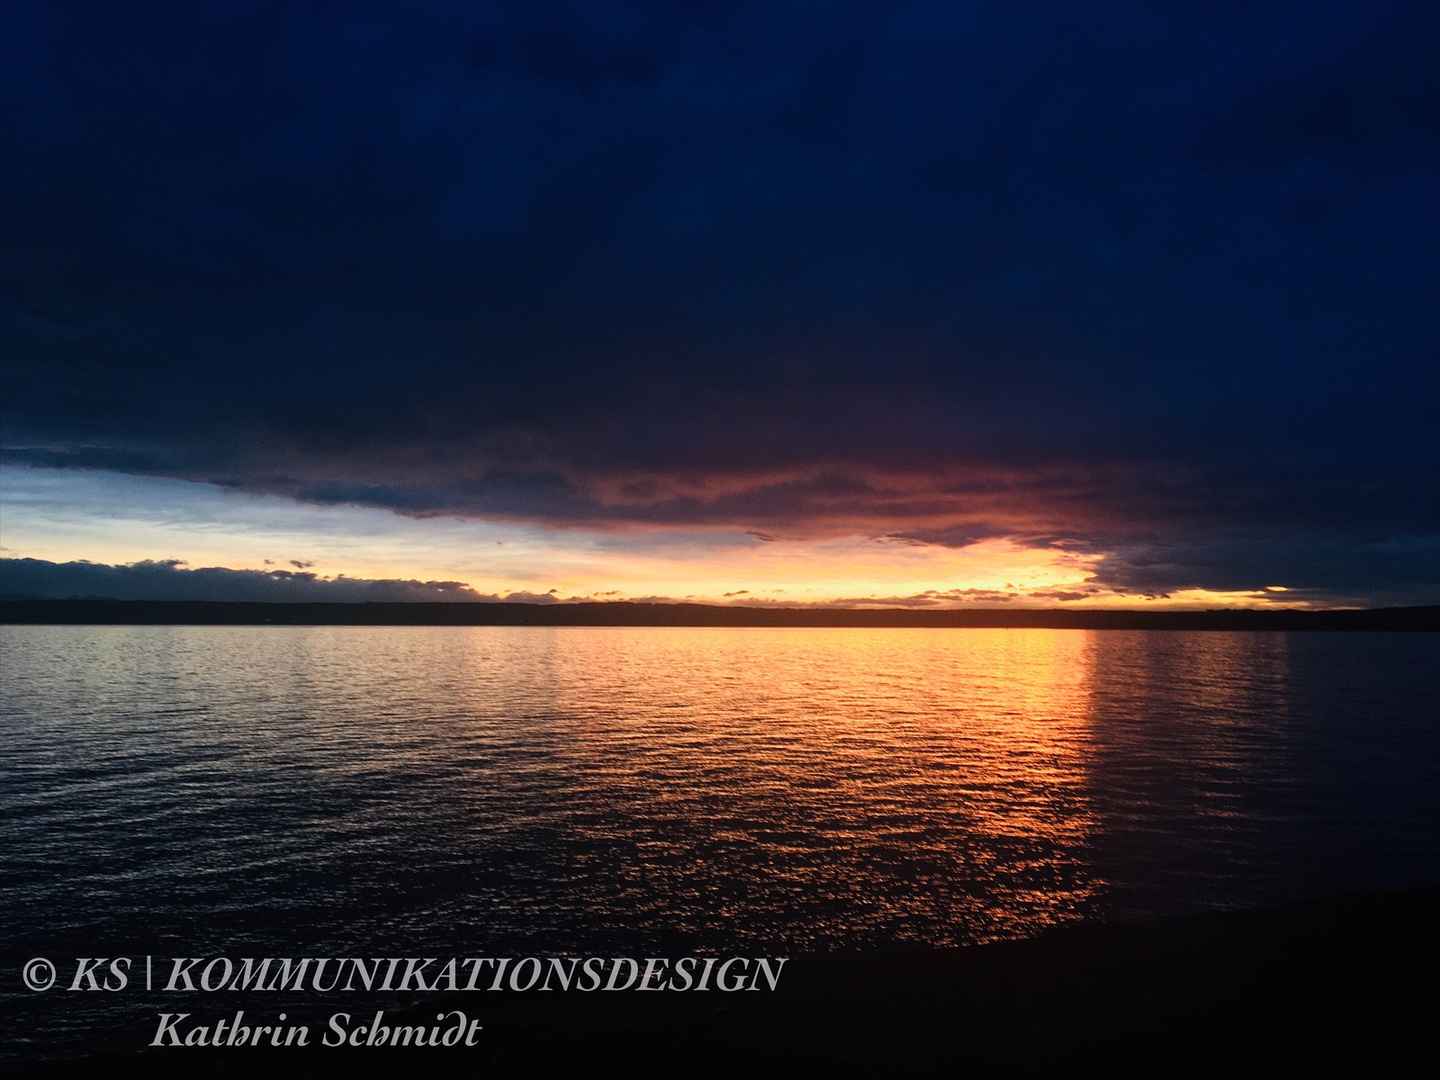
[1081, 304]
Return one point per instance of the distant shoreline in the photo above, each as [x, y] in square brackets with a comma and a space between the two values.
[249, 613]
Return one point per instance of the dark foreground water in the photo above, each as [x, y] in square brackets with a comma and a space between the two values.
[378, 791]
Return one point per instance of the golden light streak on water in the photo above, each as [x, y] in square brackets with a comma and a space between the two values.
[695, 788]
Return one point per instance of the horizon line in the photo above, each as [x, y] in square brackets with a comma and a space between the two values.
[104, 611]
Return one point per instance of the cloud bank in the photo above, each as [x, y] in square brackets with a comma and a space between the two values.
[168, 580]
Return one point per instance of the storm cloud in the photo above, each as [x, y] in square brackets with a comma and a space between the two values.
[1134, 276]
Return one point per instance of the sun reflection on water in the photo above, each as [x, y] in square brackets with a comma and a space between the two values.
[568, 788]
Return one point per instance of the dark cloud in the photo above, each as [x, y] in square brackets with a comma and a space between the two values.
[1371, 569]
[937, 271]
[170, 580]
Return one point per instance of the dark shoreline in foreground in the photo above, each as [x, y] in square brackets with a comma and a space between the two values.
[246, 613]
[1341, 983]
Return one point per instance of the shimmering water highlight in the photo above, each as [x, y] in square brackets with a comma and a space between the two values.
[321, 789]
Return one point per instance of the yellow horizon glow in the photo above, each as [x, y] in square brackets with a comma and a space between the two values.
[117, 520]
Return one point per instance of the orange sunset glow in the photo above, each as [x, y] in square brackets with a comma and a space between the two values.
[124, 522]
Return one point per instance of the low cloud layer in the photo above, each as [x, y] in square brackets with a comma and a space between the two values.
[1366, 570]
[168, 580]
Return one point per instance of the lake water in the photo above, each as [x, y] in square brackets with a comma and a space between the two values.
[327, 791]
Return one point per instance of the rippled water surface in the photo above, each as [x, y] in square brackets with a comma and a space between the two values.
[340, 789]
